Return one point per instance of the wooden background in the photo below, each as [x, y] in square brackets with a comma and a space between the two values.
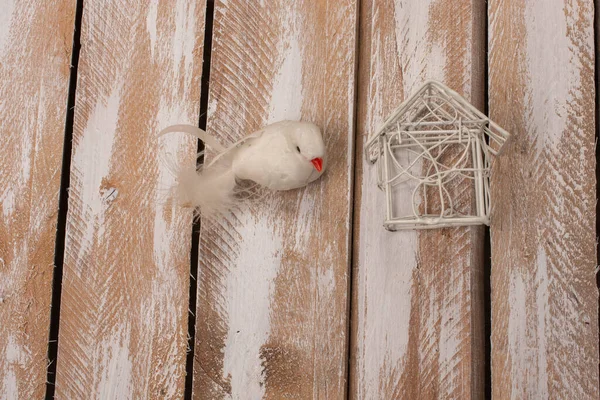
[303, 295]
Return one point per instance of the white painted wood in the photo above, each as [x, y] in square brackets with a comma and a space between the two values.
[273, 279]
[417, 310]
[35, 54]
[123, 320]
[544, 294]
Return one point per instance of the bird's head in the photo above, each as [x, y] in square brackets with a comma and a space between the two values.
[308, 142]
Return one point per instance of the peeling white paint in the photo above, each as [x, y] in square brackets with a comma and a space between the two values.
[151, 20]
[542, 307]
[306, 209]
[249, 288]
[92, 158]
[537, 334]
[163, 316]
[169, 237]
[7, 8]
[420, 58]
[22, 173]
[288, 94]
[115, 368]
[450, 339]
[518, 350]
[36, 87]
[384, 296]
[14, 359]
[212, 106]
[548, 50]
[325, 276]
[26, 147]
[184, 39]
[10, 387]
[387, 261]
[7, 202]
[170, 147]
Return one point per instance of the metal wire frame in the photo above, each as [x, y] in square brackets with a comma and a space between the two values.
[432, 144]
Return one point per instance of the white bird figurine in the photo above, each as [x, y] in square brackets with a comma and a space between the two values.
[281, 156]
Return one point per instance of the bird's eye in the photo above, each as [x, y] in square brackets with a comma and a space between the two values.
[298, 148]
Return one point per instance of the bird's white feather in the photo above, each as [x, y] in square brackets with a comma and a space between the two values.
[209, 190]
[197, 132]
[277, 157]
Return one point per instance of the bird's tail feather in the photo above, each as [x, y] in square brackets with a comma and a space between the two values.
[211, 191]
[197, 132]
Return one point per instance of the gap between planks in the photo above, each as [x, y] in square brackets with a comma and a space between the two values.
[597, 153]
[63, 205]
[195, 249]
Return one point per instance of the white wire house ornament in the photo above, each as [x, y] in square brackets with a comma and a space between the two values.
[431, 153]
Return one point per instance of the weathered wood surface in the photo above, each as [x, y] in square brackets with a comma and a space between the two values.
[35, 54]
[123, 320]
[544, 295]
[273, 279]
[417, 323]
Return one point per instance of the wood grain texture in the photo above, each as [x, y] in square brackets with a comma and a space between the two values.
[35, 53]
[123, 321]
[273, 277]
[417, 323]
[544, 294]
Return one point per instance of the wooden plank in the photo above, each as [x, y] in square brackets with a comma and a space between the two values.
[417, 323]
[123, 321]
[544, 294]
[35, 54]
[273, 278]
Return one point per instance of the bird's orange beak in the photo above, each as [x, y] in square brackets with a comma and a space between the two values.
[318, 163]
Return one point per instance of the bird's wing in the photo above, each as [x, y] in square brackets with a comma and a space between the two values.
[250, 137]
[222, 152]
[231, 149]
